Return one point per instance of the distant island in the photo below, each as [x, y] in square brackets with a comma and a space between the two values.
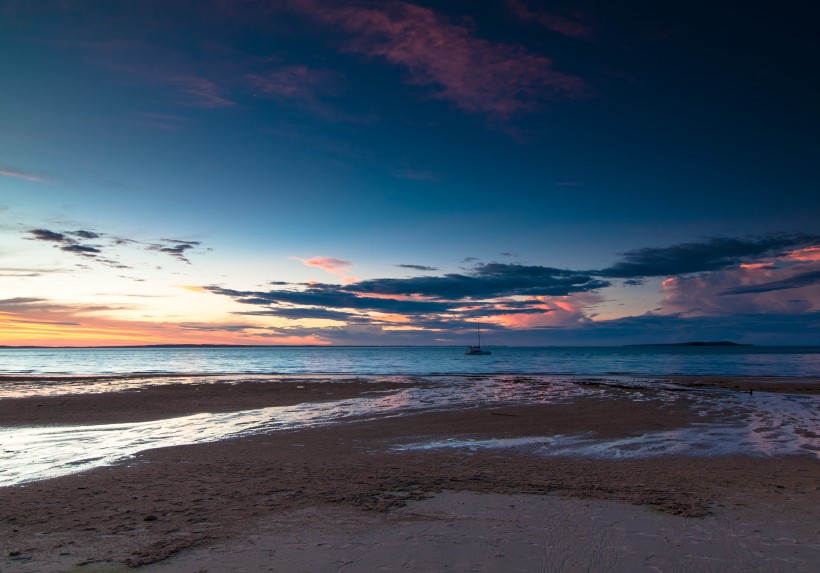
[718, 343]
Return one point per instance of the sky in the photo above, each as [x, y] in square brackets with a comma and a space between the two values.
[394, 172]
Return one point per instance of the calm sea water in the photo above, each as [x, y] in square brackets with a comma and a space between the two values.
[660, 360]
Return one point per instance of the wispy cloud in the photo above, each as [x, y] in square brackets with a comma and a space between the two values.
[164, 121]
[797, 281]
[22, 175]
[203, 92]
[329, 264]
[296, 81]
[77, 242]
[554, 22]
[175, 248]
[418, 267]
[415, 174]
[474, 74]
[30, 320]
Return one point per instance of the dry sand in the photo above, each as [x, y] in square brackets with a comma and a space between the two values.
[342, 498]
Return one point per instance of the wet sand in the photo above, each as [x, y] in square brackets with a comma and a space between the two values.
[167, 401]
[317, 498]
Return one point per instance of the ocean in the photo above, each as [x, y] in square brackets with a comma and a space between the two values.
[413, 360]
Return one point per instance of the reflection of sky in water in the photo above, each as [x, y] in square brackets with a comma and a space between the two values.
[767, 424]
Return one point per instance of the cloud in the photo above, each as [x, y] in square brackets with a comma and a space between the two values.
[65, 242]
[709, 255]
[81, 250]
[27, 271]
[449, 302]
[797, 281]
[202, 91]
[474, 74]
[415, 174]
[70, 242]
[28, 320]
[332, 296]
[22, 175]
[753, 328]
[164, 121]
[46, 235]
[175, 248]
[303, 312]
[488, 280]
[86, 234]
[329, 264]
[753, 290]
[533, 304]
[295, 81]
[553, 22]
[418, 267]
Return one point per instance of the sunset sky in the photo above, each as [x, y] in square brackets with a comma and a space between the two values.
[354, 172]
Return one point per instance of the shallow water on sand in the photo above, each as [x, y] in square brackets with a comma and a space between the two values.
[763, 424]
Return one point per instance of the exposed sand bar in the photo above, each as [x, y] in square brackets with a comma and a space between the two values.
[359, 484]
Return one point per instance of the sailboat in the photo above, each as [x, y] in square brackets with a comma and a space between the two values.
[476, 350]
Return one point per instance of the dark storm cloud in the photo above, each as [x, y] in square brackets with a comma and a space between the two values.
[488, 280]
[418, 267]
[799, 281]
[709, 255]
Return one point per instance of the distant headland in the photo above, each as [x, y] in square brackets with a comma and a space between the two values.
[717, 343]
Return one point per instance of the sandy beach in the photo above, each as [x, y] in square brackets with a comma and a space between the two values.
[362, 495]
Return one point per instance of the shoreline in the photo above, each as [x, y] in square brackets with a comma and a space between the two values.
[224, 393]
[188, 501]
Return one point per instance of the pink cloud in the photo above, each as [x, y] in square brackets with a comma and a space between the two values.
[21, 175]
[549, 21]
[807, 254]
[331, 265]
[204, 92]
[474, 74]
[567, 310]
[705, 294]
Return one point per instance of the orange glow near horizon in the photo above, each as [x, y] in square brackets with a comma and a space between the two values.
[17, 330]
